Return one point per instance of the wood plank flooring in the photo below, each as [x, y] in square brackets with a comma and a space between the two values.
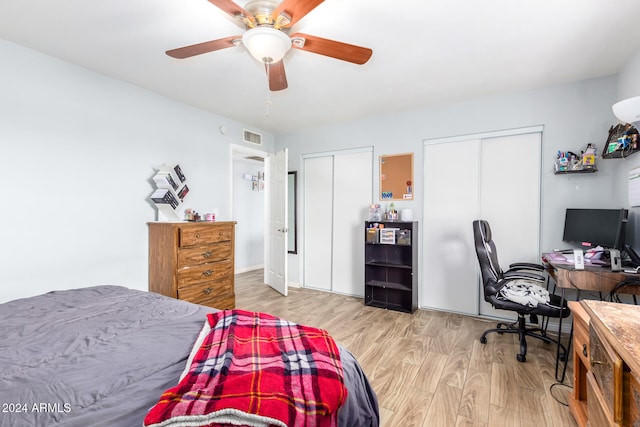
[428, 368]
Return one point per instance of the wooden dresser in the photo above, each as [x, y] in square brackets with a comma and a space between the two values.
[193, 261]
[606, 346]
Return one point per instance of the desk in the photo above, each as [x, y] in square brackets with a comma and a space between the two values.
[593, 278]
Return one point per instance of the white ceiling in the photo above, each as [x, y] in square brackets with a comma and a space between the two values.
[425, 52]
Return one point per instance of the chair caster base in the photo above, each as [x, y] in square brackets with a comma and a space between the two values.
[483, 340]
[521, 358]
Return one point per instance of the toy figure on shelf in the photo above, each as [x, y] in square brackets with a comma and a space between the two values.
[589, 157]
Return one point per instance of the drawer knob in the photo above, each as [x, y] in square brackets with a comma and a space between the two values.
[207, 273]
[584, 350]
[207, 291]
[207, 254]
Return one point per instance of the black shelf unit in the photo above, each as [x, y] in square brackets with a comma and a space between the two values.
[391, 269]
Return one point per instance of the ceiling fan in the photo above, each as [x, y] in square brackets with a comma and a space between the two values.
[267, 37]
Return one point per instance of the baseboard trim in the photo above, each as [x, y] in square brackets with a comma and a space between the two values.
[247, 269]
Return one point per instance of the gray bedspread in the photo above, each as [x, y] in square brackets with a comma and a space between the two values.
[101, 356]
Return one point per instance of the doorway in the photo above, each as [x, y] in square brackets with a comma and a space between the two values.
[248, 206]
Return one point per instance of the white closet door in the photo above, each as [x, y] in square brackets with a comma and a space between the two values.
[496, 178]
[510, 199]
[351, 199]
[318, 208]
[450, 206]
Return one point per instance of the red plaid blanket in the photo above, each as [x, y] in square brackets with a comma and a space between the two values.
[257, 370]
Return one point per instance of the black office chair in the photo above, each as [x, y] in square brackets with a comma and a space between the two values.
[494, 279]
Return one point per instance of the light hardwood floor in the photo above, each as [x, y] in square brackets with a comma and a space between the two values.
[428, 368]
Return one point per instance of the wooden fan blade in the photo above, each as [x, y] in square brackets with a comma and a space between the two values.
[334, 49]
[235, 11]
[200, 48]
[277, 76]
[295, 9]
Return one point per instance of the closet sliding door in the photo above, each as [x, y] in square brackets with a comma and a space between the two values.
[318, 222]
[451, 197]
[510, 200]
[338, 190]
[494, 177]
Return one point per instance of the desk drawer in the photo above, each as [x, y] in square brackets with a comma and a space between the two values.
[607, 369]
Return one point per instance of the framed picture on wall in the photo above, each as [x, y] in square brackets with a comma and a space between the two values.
[396, 177]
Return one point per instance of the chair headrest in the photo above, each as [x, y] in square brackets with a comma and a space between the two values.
[485, 230]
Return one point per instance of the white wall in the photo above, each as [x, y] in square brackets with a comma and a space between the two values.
[629, 86]
[572, 115]
[78, 150]
[629, 78]
[248, 211]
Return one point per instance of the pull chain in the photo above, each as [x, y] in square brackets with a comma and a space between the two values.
[267, 106]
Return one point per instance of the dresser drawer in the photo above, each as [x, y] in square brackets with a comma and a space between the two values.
[199, 255]
[581, 342]
[607, 369]
[634, 400]
[212, 271]
[204, 234]
[597, 411]
[221, 302]
[205, 293]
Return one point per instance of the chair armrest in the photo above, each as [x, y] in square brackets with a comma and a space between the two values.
[526, 266]
[519, 274]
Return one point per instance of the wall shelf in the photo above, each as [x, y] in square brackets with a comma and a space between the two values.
[620, 154]
[569, 172]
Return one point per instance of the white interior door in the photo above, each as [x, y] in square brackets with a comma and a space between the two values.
[277, 196]
[352, 193]
[318, 222]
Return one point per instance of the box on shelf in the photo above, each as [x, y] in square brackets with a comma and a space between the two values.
[372, 235]
[403, 237]
[388, 236]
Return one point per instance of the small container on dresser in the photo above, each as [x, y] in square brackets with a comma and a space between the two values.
[193, 261]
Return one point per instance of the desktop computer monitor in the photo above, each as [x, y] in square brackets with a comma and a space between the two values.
[596, 227]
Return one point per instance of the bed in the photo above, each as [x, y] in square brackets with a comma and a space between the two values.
[103, 355]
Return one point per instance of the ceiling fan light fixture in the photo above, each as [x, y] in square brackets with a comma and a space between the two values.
[266, 44]
[628, 110]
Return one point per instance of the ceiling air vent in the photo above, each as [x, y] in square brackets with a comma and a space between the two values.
[252, 137]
